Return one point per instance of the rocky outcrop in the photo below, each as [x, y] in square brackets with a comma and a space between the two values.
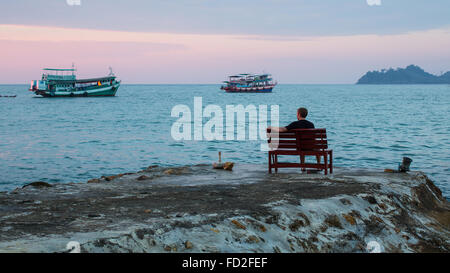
[198, 209]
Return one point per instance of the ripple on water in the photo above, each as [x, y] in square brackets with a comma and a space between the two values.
[177, 144]
[376, 147]
[397, 147]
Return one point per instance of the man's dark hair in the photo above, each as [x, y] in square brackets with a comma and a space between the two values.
[303, 112]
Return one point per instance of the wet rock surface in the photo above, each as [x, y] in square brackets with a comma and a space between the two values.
[198, 209]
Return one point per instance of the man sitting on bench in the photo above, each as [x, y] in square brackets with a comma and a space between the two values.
[301, 123]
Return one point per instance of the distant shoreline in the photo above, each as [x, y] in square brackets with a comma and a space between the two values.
[412, 74]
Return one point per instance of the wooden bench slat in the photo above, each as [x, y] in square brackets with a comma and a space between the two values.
[299, 153]
[281, 145]
[281, 135]
[294, 147]
[306, 141]
[313, 142]
[284, 140]
[311, 136]
[294, 136]
[302, 145]
[312, 147]
[298, 165]
[314, 130]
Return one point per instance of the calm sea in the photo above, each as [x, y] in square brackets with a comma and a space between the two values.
[76, 139]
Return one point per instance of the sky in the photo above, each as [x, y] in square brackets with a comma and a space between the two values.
[203, 41]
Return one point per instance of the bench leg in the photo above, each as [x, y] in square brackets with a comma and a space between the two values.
[326, 163]
[302, 161]
[270, 163]
[276, 162]
[331, 161]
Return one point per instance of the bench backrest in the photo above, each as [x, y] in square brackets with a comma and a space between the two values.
[299, 140]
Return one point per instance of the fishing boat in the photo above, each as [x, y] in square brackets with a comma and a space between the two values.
[63, 83]
[249, 83]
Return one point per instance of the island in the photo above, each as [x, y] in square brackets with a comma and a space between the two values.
[412, 74]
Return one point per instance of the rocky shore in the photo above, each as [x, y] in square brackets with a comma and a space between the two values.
[198, 209]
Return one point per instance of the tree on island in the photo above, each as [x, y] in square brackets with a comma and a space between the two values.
[412, 74]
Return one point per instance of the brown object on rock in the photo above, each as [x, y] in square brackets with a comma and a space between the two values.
[188, 245]
[223, 166]
[252, 239]
[228, 166]
[95, 180]
[109, 178]
[239, 225]
[151, 167]
[215, 230]
[142, 177]
[167, 248]
[169, 172]
[296, 225]
[349, 218]
[333, 221]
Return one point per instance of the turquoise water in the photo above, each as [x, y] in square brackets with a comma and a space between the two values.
[76, 139]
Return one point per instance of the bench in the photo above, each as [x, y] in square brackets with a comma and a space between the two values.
[301, 143]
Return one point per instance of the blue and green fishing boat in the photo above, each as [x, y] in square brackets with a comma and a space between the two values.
[63, 83]
[249, 83]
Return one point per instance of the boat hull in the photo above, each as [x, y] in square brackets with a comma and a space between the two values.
[248, 90]
[107, 91]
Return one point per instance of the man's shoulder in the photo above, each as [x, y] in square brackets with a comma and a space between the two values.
[300, 124]
[305, 122]
[309, 123]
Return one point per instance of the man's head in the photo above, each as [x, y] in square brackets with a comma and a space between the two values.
[302, 113]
